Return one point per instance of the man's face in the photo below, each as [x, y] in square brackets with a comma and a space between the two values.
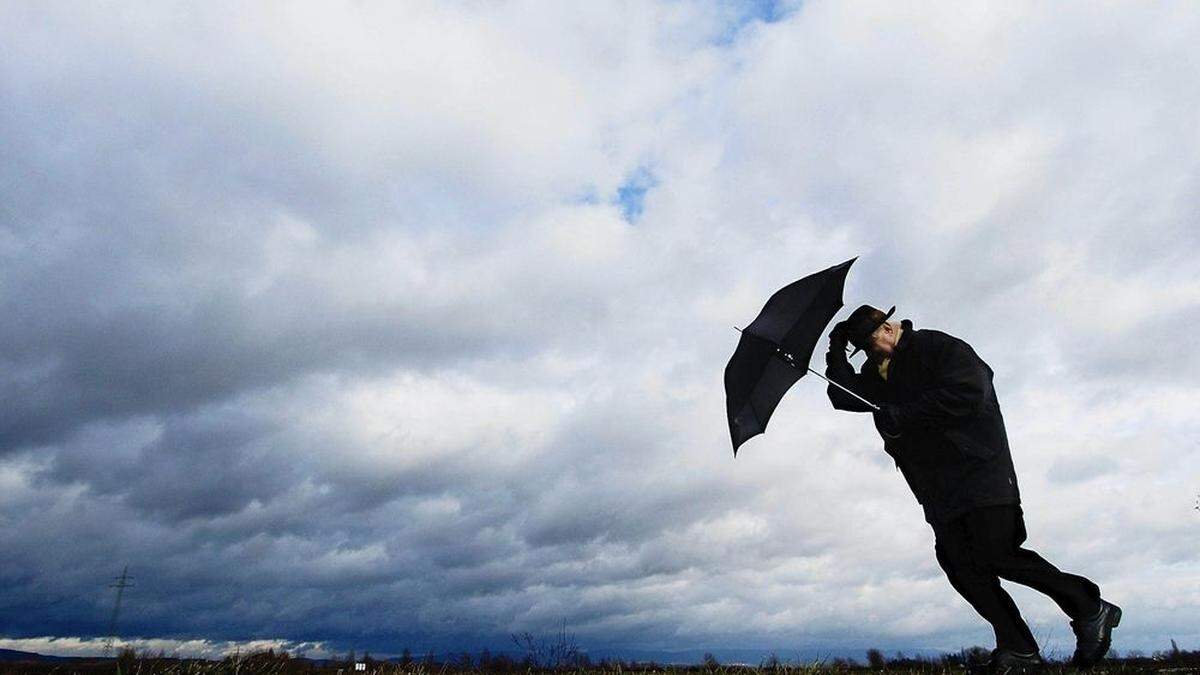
[883, 341]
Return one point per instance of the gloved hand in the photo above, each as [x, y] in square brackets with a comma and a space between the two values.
[887, 421]
[837, 345]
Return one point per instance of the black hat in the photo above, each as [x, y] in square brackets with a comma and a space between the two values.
[861, 323]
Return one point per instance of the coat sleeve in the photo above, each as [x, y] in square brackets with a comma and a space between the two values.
[960, 388]
[839, 370]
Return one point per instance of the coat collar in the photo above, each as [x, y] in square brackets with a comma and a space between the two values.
[906, 332]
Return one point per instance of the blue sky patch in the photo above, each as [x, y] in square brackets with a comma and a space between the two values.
[632, 193]
[749, 11]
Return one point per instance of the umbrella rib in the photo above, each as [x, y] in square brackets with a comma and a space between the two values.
[778, 347]
[753, 409]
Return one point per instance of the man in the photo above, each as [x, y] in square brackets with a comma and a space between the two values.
[941, 423]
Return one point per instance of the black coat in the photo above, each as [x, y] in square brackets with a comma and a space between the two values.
[953, 449]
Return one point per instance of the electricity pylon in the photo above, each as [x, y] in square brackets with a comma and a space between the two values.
[121, 583]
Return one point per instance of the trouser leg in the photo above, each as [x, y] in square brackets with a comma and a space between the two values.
[980, 586]
[999, 533]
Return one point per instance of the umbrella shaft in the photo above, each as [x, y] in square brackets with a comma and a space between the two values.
[843, 388]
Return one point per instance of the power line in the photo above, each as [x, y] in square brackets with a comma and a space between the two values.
[121, 583]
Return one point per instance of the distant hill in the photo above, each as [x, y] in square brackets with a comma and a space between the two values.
[14, 655]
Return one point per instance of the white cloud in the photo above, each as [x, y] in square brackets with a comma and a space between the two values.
[69, 646]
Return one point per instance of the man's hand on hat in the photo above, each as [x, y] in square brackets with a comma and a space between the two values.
[838, 337]
[887, 420]
[838, 340]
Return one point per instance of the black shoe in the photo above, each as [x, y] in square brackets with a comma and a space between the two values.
[1093, 636]
[1005, 661]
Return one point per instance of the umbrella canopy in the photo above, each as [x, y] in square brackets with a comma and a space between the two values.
[775, 348]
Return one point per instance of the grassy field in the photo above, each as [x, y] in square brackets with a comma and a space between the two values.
[270, 663]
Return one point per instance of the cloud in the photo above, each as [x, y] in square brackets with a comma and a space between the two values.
[174, 648]
[382, 326]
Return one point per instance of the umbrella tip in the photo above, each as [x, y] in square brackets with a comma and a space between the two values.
[737, 329]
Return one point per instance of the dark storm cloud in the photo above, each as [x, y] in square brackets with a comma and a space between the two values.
[164, 359]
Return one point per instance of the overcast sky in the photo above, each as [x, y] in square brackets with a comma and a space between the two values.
[376, 325]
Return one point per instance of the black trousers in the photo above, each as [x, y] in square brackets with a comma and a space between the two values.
[981, 547]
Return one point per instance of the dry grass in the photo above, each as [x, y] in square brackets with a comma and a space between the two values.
[268, 663]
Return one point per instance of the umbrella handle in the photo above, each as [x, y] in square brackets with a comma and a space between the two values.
[873, 406]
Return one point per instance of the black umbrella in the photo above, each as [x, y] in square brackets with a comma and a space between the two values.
[775, 349]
